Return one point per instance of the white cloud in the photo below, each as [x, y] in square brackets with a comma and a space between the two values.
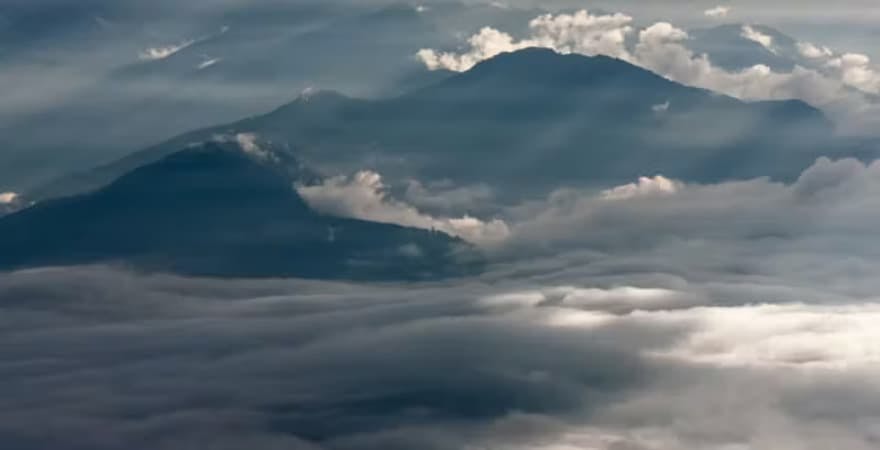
[159, 53]
[662, 48]
[809, 336]
[163, 52]
[10, 202]
[832, 199]
[787, 335]
[248, 143]
[645, 186]
[718, 12]
[487, 43]
[208, 63]
[855, 70]
[580, 32]
[750, 33]
[661, 107]
[7, 198]
[811, 51]
[364, 196]
[617, 300]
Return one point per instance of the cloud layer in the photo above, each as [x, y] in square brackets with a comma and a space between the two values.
[364, 196]
[619, 318]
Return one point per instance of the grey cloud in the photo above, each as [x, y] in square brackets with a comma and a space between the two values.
[100, 358]
[629, 335]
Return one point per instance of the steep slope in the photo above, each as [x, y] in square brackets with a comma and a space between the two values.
[551, 119]
[216, 211]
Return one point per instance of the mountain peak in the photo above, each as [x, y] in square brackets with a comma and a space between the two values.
[541, 60]
[210, 210]
[544, 68]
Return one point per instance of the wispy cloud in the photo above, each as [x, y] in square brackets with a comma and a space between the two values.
[365, 196]
[208, 63]
[158, 53]
[661, 107]
[166, 51]
[717, 12]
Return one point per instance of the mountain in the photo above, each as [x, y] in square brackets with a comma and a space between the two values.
[76, 64]
[214, 210]
[554, 120]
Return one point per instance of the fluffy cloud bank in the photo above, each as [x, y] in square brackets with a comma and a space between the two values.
[364, 196]
[623, 318]
[575, 351]
[662, 48]
[650, 212]
[831, 203]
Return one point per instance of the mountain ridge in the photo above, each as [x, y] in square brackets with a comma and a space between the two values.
[211, 210]
[535, 106]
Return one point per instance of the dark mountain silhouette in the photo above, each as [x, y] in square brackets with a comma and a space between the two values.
[213, 210]
[538, 116]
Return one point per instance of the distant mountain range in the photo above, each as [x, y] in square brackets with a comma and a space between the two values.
[524, 123]
[531, 115]
[214, 210]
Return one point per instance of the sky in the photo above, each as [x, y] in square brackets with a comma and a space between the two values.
[661, 312]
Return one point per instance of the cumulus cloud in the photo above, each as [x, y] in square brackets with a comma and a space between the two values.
[364, 196]
[812, 51]
[662, 48]
[856, 70]
[765, 40]
[657, 211]
[580, 32]
[718, 12]
[645, 186]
